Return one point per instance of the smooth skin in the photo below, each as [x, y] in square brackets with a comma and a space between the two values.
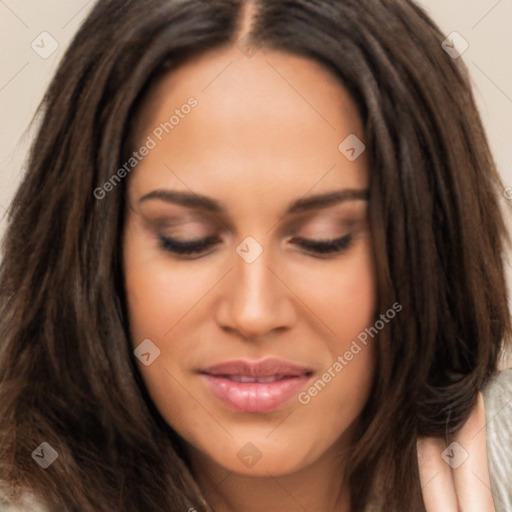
[264, 134]
[465, 487]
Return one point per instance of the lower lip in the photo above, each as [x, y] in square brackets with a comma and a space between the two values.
[255, 396]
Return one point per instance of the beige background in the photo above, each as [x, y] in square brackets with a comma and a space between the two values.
[485, 24]
[24, 75]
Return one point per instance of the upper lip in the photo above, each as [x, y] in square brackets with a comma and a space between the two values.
[265, 368]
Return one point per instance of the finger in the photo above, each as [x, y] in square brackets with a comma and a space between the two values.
[471, 474]
[435, 477]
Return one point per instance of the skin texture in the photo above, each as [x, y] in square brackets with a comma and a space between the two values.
[265, 133]
[465, 484]
[255, 144]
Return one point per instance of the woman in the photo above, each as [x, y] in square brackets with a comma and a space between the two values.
[255, 264]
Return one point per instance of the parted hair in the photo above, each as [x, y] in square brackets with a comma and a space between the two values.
[67, 372]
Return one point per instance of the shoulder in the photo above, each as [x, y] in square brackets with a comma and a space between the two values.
[498, 414]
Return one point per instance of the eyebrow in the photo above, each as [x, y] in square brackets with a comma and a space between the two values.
[200, 202]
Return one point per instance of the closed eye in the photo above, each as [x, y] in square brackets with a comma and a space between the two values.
[323, 247]
[190, 247]
[201, 246]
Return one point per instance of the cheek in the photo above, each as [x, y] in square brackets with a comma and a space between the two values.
[156, 300]
[353, 299]
[337, 302]
[160, 298]
[342, 294]
[161, 293]
[345, 299]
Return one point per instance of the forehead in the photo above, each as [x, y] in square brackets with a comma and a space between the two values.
[274, 118]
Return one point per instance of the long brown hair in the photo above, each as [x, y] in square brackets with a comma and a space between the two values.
[67, 372]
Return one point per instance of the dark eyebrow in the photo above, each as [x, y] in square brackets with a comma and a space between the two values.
[328, 199]
[188, 199]
[191, 200]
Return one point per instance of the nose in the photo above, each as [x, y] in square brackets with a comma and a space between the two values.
[255, 299]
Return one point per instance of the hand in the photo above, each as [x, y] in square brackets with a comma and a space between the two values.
[465, 488]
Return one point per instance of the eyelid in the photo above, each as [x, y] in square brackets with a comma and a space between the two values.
[301, 234]
[324, 224]
[325, 247]
[188, 247]
[170, 223]
[199, 247]
[157, 218]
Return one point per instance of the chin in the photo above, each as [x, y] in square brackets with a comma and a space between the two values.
[272, 462]
[257, 455]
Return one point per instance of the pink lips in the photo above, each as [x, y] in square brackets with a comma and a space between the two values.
[255, 386]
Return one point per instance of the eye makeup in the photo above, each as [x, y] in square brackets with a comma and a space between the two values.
[187, 234]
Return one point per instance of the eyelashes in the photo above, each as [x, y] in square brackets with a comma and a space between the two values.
[337, 245]
[199, 247]
[190, 247]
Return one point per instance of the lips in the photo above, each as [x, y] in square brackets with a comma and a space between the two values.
[260, 386]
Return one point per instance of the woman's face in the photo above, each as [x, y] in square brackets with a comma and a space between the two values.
[251, 357]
